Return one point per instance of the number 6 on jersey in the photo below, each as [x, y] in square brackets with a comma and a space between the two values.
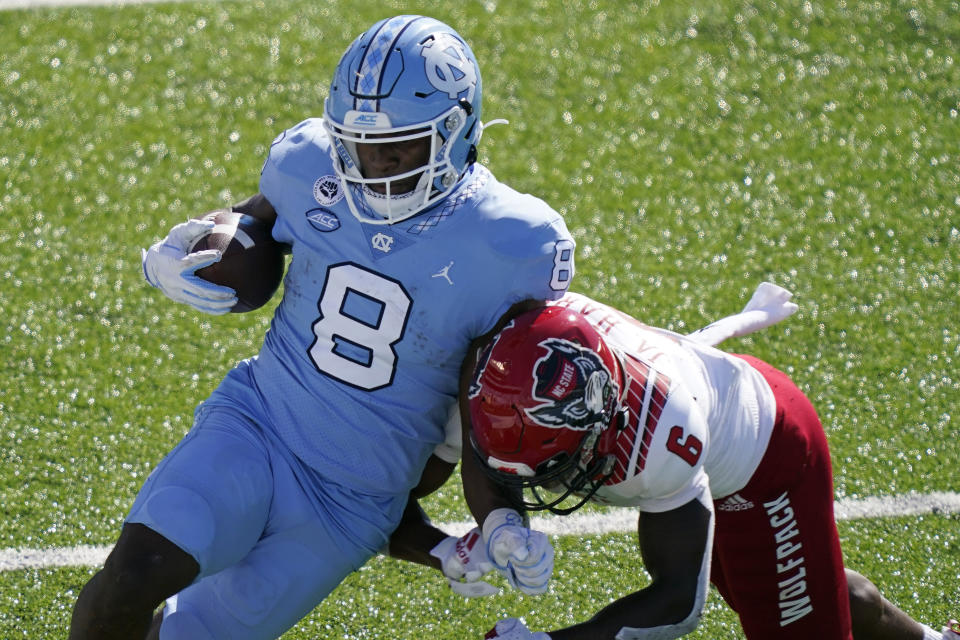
[689, 448]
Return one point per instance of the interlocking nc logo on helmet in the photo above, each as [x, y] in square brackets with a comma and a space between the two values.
[573, 384]
[448, 68]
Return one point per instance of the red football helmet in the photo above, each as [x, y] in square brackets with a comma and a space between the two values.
[543, 398]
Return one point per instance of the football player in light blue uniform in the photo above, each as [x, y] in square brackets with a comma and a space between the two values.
[404, 251]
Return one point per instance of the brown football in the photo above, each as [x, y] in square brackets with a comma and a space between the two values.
[252, 261]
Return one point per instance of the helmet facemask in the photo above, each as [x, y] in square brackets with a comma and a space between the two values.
[437, 176]
[579, 474]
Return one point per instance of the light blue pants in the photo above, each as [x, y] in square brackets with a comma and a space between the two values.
[271, 537]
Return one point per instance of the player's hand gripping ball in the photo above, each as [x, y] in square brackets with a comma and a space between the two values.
[251, 261]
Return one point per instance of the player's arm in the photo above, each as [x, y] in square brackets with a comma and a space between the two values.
[675, 533]
[416, 536]
[259, 207]
[675, 553]
[523, 556]
[169, 264]
[768, 305]
[463, 561]
[674, 546]
[482, 494]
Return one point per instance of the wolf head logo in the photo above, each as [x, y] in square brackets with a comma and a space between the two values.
[575, 387]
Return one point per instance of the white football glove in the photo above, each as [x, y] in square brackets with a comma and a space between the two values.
[514, 629]
[769, 305]
[168, 267]
[523, 556]
[464, 561]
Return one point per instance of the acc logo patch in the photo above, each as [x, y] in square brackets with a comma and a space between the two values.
[448, 68]
[327, 191]
[323, 219]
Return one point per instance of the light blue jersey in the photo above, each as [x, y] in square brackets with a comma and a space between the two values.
[298, 467]
[361, 363]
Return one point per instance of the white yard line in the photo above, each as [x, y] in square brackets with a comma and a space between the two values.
[617, 521]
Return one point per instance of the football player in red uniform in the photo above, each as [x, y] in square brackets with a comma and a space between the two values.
[724, 457]
[465, 560]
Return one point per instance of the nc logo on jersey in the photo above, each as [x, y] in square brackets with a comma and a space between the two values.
[382, 242]
[327, 191]
[448, 68]
[323, 219]
[574, 385]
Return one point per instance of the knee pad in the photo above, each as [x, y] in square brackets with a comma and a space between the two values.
[183, 625]
[182, 516]
[215, 516]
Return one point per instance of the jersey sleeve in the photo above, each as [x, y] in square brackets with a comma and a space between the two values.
[673, 474]
[290, 168]
[684, 493]
[536, 262]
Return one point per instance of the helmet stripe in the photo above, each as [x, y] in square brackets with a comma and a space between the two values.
[370, 74]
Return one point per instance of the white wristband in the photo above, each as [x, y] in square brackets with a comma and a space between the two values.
[498, 518]
[443, 549]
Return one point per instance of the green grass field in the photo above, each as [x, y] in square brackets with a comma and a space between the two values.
[695, 149]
